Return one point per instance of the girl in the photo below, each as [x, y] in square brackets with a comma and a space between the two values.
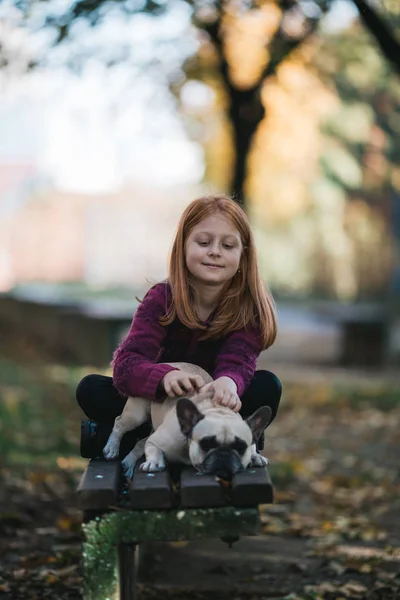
[213, 311]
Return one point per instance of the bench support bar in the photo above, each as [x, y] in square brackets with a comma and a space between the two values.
[110, 539]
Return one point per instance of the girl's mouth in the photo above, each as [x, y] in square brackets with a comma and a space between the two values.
[212, 266]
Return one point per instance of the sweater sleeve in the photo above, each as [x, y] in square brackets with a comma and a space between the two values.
[135, 368]
[238, 355]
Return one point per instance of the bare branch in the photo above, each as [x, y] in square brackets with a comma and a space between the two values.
[281, 46]
[213, 28]
[385, 38]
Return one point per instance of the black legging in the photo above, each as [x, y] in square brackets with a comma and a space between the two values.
[100, 401]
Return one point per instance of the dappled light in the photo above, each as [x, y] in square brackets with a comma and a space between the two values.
[245, 42]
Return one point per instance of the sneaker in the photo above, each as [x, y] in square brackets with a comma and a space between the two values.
[94, 437]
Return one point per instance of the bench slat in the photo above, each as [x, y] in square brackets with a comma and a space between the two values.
[150, 490]
[200, 490]
[252, 487]
[98, 488]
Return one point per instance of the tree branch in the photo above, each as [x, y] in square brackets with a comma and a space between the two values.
[281, 48]
[385, 38]
[214, 29]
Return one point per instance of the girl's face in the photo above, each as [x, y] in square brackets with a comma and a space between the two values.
[213, 250]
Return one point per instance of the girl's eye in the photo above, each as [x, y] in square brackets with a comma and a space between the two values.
[204, 243]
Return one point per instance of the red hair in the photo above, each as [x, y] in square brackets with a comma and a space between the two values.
[244, 298]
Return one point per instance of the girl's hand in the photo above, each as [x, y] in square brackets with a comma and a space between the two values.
[225, 393]
[178, 383]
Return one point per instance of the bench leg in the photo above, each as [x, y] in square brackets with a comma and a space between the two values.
[109, 569]
[100, 570]
[126, 571]
[109, 572]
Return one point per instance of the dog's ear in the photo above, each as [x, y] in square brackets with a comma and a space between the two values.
[188, 415]
[258, 421]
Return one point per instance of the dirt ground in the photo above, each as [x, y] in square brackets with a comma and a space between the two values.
[333, 532]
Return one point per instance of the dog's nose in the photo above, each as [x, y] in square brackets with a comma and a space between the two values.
[222, 463]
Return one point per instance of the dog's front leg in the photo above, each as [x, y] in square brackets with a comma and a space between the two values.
[136, 412]
[154, 457]
[257, 460]
[129, 462]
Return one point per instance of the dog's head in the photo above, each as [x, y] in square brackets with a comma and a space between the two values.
[217, 445]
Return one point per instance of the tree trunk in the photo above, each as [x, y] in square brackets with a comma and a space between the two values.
[246, 112]
[246, 109]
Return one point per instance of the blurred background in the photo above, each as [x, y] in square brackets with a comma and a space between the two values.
[114, 115]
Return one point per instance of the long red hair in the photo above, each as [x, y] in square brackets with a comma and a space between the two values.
[244, 298]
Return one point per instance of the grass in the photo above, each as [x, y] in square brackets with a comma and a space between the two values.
[336, 393]
[39, 418]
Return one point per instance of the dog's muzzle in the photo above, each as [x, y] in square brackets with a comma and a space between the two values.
[222, 463]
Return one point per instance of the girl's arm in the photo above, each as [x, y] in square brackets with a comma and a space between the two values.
[238, 355]
[135, 368]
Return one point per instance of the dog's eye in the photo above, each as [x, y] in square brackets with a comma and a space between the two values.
[208, 443]
[239, 445]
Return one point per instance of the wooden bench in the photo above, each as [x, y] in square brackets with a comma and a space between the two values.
[174, 505]
[364, 328]
[364, 331]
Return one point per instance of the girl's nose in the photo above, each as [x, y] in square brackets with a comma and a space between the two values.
[214, 251]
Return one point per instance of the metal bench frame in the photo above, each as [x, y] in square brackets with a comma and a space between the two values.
[119, 516]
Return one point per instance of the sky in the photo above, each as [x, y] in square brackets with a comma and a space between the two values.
[92, 132]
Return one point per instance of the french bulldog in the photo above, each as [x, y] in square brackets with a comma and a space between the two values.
[191, 430]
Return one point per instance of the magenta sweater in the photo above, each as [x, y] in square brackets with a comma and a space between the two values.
[138, 360]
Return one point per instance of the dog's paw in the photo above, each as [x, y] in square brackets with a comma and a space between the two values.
[111, 449]
[257, 460]
[110, 452]
[152, 466]
[128, 466]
